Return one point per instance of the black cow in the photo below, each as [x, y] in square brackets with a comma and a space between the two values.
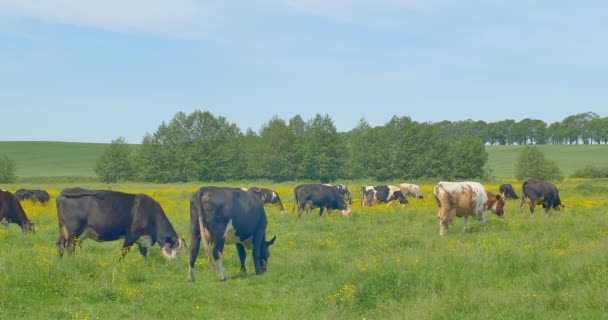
[34, 195]
[104, 215]
[381, 194]
[344, 192]
[267, 196]
[507, 191]
[11, 211]
[540, 192]
[310, 196]
[228, 216]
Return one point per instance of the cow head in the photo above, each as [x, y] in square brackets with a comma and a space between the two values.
[172, 249]
[348, 211]
[265, 254]
[496, 203]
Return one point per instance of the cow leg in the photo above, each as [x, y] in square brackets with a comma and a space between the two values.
[130, 239]
[242, 255]
[195, 245]
[522, 204]
[532, 204]
[465, 220]
[218, 248]
[61, 245]
[258, 242]
[321, 211]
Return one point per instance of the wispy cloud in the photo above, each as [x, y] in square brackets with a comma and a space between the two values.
[172, 17]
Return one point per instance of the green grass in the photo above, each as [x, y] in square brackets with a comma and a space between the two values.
[53, 159]
[568, 157]
[71, 162]
[380, 263]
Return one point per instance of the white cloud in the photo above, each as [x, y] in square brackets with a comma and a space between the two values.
[171, 17]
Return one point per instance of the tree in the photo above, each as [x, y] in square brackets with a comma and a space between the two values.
[115, 164]
[7, 170]
[532, 164]
[324, 150]
[469, 156]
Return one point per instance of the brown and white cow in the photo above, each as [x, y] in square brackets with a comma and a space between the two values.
[12, 212]
[464, 199]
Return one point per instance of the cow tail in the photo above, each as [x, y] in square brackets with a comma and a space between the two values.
[199, 209]
[295, 194]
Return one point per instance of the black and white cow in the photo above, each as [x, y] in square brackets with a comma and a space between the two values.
[310, 196]
[381, 194]
[343, 191]
[507, 191]
[11, 211]
[540, 192]
[267, 196]
[34, 195]
[228, 216]
[104, 215]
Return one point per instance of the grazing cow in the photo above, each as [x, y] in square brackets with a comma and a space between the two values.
[267, 196]
[411, 190]
[228, 216]
[310, 196]
[381, 194]
[540, 192]
[464, 199]
[343, 191]
[34, 195]
[507, 191]
[11, 211]
[104, 215]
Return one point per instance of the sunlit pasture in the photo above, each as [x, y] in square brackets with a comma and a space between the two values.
[383, 262]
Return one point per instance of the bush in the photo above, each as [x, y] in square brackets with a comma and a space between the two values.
[115, 164]
[532, 164]
[591, 170]
[7, 170]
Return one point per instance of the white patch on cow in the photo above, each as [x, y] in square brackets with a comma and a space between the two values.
[274, 196]
[230, 237]
[144, 241]
[89, 233]
[177, 250]
[409, 189]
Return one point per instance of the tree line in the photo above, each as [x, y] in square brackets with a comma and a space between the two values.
[203, 147]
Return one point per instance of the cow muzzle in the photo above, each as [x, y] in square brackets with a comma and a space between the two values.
[175, 250]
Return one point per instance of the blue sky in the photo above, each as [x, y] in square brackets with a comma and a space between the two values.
[92, 71]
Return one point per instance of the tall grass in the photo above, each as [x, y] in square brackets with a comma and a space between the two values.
[380, 263]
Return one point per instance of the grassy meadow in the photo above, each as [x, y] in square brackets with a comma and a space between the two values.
[380, 263]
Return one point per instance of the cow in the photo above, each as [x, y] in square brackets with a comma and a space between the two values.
[34, 195]
[381, 194]
[343, 191]
[104, 215]
[267, 196]
[228, 216]
[507, 191]
[464, 199]
[540, 192]
[11, 211]
[310, 196]
[412, 190]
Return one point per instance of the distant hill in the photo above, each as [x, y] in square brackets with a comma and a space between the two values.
[73, 159]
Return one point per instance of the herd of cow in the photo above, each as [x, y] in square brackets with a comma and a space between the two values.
[222, 215]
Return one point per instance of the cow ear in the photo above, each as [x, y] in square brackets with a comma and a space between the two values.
[269, 243]
[498, 197]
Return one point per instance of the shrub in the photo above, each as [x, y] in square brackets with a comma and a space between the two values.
[532, 164]
[591, 170]
[7, 170]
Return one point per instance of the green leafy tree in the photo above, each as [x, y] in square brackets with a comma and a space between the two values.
[115, 164]
[469, 158]
[532, 164]
[7, 170]
[324, 150]
[277, 157]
